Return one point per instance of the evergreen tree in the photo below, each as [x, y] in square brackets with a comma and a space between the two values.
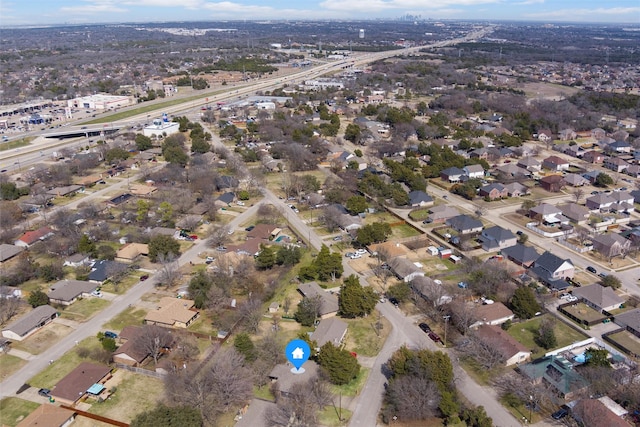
[165, 416]
[266, 257]
[288, 255]
[524, 304]
[356, 300]
[38, 298]
[245, 346]
[163, 245]
[87, 246]
[339, 364]
[328, 265]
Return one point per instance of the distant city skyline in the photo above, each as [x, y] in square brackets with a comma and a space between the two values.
[51, 12]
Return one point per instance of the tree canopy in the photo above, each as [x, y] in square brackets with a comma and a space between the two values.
[181, 416]
[356, 300]
[338, 363]
[163, 245]
[523, 303]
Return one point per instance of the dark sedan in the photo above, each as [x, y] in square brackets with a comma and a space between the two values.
[425, 328]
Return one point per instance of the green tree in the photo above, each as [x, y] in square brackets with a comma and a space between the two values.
[245, 346]
[199, 286]
[356, 204]
[143, 210]
[87, 246]
[400, 291]
[199, 145]
[266, 257]
[611, 281]
[546, 337]
[328, 265]
[38, 298]
[338, 363]
[288, 255]
[354, 299]
[182, 416]
[163, 245]
[597, 357]
[244, 195]
[106, 252]
[353, 133]
[143, 142]
[373, 233]
[524, 304]
[109, 344]
[166, 212]
[603, 180]
[176, 155]
[9, 191]
[476, 417]
[114, 154]
[308, 310]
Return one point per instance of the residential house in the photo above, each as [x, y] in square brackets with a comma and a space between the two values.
[405, 269]
[164, 231]
[103, 269]
[491, 314]
[68, 190]
[591, 176]
[593, 412]
[599, 202]
[510, 170]
[329, 306]
[575, 180]
[129, 353]
[226, 182]
[430, 291]
[636, 196]
[225, 199]
[66, 292]
[529, 163]
[616, 164]
[496, 238]
[118, 200]
[629, 320]
[595, 157]
[31, 237]
[464, 224]
[633, 170]
[598, 134]
[30, 323]
[576, 213]
[553, 270]
[548, 214]
[420, 198]
[611, 244]
[473, 171]
[131, 251]
[619, 147]
[261, 232]
[545, 135]
[555, 163]
[557, 372]
[623, 201]
[349, 222]
[493, 191]
[9, 251]
[552, 183]
[86, 379]
[76, 260]
[442, 213]
[521, 254]
[600, 298]
[284, 379]
[7, 292]
[567, 135]
[47, 415]
[172, 313]
[452, 174]
[511, 351]
[515, 189]
[331, 330]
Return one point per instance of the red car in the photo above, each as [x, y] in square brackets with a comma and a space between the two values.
[435, 337]
[193, 237]
[143, 278]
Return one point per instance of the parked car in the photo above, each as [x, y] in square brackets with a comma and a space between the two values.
[355, 256]
[560, 413]
[337, 238]
[144, 277]
[425, 328]
[110, 334]
[434, 337]
[519, 233]
[361, 251]
[603, 275]
[427, 221]
[394, 301]
[349, 254]
[96, 294]
[592, 270]
[249, 228]
[45, 392]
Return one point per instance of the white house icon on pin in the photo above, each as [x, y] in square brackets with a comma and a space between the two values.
[298, 353]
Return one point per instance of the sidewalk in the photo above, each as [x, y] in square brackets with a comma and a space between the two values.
[21, 354]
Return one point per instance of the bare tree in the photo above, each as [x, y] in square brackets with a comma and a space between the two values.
[169, 273]
[268, 213]
[462, 314]
[185, 348]
[536, 394]
[578, 194]
[189, 222]
[331, 218]
[218, 236]
[251, 313]
[486, 353]
[413, 397]
[9, 307]
[152, 339]
[301, 405]
[116, 272]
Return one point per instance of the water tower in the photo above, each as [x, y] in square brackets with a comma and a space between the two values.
[361, 33]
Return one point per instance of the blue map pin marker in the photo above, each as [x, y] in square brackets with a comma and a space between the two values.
[297, 353]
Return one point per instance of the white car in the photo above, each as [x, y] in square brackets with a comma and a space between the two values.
[361, 251]
[355, 256]
[437, 282]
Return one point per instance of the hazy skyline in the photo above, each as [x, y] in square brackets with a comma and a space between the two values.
[39, 12]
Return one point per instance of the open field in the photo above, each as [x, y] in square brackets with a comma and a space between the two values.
[525, 333]
[628, 340]
[9, 364]
[43, 339]
[83, 309]
[354, 386]
[362, 337]
[130, 316]
[16, 143]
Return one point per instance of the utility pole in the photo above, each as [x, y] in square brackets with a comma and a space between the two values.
[446, 322]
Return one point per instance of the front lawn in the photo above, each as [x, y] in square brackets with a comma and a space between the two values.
[83, 309]
[9, 364]
[354, 386]
[329, 416]
[362, 337]
[128, 317]
[43, 339]
[13, 410]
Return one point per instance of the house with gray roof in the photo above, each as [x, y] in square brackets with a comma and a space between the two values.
[330, 330]
[473, 171]
[66, 292]
[420, 198]
[557, 372]
[629, 320]
[616, 164]
[441, 213]
[611, 244]
[548, 214]
[284, 379]
[30, 323]
[329, 306]
[576, 213]
[405, 269]
[600, 298]
[464, 224]
[521, 254]
[493, 191]
[9, 251]
[553, 270]
[515, 189]
[529, 163]
[575, 180]
[497, 238]
[452, 174]
[599, 202]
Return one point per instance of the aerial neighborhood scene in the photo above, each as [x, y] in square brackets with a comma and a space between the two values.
[440, 203]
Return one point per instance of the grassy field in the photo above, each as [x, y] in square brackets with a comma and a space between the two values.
[48, 377]
[403, 231]
[627, 340]
[263, 393]
[362, 337]
[135, 394]
[419, 214]
[130, 316]
[83, 309]
[43, 339]
[525, 333]
[329, 416]
[17, 143]
[9, 364]
[13, 410]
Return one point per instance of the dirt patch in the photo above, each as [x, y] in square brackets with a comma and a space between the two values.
[548, 90]
[44, 338]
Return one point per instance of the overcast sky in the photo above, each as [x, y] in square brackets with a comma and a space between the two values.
[36, 12]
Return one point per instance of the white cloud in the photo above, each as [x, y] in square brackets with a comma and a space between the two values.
[91, 9]
[528, 2]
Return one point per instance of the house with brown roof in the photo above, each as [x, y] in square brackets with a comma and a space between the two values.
[493, 191]
[441, 213]
[128, 353]
[172, 313]
[87, 379]
[491, 314]
[611, 244]
[593, 412]
[30, 323]
[31, 237]
[578, 214]
[512, 351]
[47, 415]
[595, 157]
[131, 251]
[552, 183]
[261, 231]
